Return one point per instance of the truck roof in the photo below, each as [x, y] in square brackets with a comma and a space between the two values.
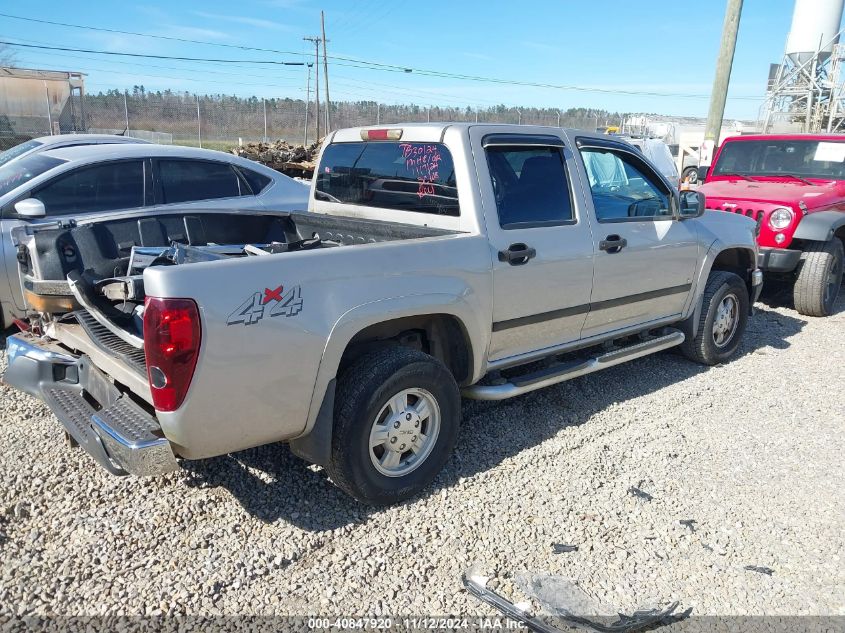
[435, 131]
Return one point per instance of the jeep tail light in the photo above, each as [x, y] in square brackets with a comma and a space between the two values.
[171, 346]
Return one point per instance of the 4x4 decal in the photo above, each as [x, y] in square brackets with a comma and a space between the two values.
[257, 306]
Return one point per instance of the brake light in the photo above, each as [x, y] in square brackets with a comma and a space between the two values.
[172, 335]
[381, 135]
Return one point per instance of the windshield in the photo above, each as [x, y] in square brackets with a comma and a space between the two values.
[805, 158]
[17, 150]
[18, 172]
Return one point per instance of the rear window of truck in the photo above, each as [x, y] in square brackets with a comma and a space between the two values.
[416, 177]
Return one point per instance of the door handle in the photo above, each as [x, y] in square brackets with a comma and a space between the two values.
[517, 254]
[613, 243]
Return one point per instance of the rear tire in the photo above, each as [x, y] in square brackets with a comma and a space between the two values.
[819, 279]
[724, 315]
[397, 413]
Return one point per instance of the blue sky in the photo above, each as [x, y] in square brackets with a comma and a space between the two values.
[660, 46]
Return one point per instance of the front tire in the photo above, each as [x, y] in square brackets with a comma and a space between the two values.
[397, 413]
[724, 315]
[819, 279]
[690, 175]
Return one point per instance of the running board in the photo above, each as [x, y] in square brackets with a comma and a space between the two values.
[572, 369]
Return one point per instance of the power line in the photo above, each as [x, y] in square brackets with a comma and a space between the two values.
[150, 56]
[145, 65]
[444, 75]
[364, 64]
[159, 37]
[204, 81]
[349, 81]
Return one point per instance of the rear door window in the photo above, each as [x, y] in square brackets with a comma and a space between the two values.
[531, 186]
[105, 187]
[193, 180]
[402, 176]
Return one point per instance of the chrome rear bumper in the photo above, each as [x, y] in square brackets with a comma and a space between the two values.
[118, 433]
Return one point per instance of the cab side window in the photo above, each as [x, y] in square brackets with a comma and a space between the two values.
[106, 187]
[531, 186]
[623, 187]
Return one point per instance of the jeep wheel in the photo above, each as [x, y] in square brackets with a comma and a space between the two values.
[397, 413]
[690, 175]
[820, 278]
[724, 314]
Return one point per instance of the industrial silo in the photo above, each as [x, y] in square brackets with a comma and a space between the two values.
[805, 90]
[815, 28]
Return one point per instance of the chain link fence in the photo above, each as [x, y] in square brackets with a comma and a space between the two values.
[221, 122]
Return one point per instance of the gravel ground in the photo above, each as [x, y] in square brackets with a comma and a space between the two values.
[751, 451]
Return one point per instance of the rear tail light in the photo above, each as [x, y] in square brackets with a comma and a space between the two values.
[171, 344]
[381, 135]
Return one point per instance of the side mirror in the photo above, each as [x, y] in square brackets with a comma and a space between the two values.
[30, 208]
[701, 172]
[691, 204]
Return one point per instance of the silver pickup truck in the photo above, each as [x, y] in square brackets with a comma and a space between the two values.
[434, 261]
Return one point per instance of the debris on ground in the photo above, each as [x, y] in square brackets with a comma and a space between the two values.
[689, 523]
[563, 548]
[760, 570]
[476, 584]
[562, 598]
[565, 599]
[639, 493]
[292, 160]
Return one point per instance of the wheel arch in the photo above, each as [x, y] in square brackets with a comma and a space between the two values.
[740, 259]
[821, 226]
[442, 324]
[840, 234]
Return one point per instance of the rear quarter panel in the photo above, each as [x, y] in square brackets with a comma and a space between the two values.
[264, 382]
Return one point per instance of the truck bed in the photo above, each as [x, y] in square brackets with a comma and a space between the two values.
[62, 255]
[102, 249]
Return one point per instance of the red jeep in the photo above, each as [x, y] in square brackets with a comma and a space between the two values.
[794, 187]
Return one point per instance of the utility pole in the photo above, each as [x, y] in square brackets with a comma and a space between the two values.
[326, 73]
[49, 112]
[720, 83]
[264, 104]
[199, 122]
[316, 41]
[307, 104]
